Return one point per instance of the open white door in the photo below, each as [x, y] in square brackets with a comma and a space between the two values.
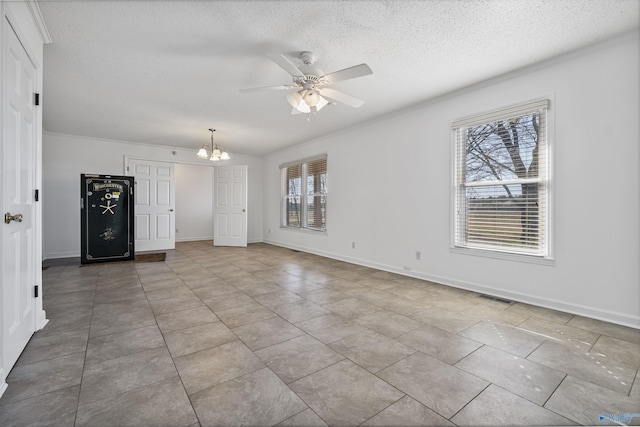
[230, 206]
[155, 224]
[18, 145]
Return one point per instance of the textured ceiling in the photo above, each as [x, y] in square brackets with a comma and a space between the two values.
[163, 72]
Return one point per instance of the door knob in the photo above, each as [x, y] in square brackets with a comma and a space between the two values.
[244, 210]
[170, 210]
[8, 218]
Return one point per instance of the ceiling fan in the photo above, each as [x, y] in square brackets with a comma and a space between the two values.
[311, 83]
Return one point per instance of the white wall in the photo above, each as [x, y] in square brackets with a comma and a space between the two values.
[390, 188]
[194, 202]
[65, 157]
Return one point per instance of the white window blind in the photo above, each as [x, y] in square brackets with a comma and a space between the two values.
[304, 194]
[501, 180]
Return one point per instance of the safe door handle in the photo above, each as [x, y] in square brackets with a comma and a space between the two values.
[8, 218]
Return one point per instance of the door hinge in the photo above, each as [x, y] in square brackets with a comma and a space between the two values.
[35, 291]
[37, 195]
[36, 99]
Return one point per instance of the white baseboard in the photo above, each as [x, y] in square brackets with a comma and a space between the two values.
[3, 384]
[74, 254]
[56, 255]
[193, 239]
[577, 309]
[42, 320]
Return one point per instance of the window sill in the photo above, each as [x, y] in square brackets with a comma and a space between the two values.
[305, 230]
[506, 256]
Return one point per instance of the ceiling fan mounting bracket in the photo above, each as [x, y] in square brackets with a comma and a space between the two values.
[308, 58]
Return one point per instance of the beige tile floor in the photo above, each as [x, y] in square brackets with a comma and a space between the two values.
[264, 335]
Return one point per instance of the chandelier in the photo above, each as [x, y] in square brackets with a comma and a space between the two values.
[216, 153]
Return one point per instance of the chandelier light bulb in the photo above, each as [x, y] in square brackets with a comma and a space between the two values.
[202, 153]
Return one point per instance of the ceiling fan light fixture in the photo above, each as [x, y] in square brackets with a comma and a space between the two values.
[224, 156]
[311, 97]
[321, 103]
[294, 99]
[297, 101]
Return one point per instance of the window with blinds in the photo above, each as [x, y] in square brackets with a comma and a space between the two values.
[501, 180]
[304, 194]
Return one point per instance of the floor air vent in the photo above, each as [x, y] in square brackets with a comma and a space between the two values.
[491, 297]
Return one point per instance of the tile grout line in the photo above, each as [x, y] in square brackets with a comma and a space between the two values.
[569, 417]
[634, 382]
[173, 362]
[474, 398]
[86, 350]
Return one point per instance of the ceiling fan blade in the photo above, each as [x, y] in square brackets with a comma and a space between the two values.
[268, 88]
[296, 111]
[348, 73]
[286, 65]
[341, 97]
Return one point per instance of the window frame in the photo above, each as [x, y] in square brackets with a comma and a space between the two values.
[304, 194]
[458, 243]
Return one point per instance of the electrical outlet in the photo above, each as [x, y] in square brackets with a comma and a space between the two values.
[353, 245]
[418, 255]
[176, 230]
[269, 232]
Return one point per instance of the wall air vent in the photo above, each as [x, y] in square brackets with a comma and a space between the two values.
[491, 297]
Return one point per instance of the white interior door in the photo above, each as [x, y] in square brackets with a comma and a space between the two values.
[230, 206]
[155, 224]
[18, 186]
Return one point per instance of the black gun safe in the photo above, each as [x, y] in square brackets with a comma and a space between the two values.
[107, 212]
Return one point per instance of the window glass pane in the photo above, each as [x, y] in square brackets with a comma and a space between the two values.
[317, 211]
[294, 187]
[293, 181]
[293, 211]
[504, 215]
[317, 177]
[503, 149]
